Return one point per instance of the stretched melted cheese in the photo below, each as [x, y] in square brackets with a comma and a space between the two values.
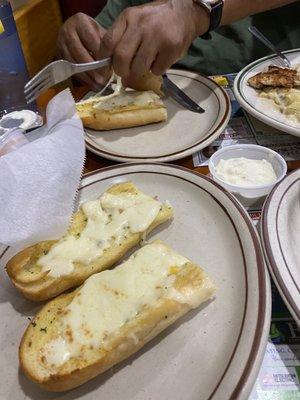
[109, 218]
[121, 97]
[109, 299]
[98, 96]
[125, 98]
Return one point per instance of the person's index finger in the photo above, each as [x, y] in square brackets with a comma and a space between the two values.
[83, 77]
[143, 59]
[90, 38]
[81, 55]
[112, 37]
[78, 52]
[125, 51]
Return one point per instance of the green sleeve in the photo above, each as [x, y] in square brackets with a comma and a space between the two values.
[111, 11]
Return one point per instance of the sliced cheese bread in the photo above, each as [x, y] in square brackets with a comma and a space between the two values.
[123, 109]
[112, 315]
[102, 231]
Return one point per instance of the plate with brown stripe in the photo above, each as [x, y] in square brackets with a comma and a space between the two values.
[212, 353]
[280, 231]
[184, 132]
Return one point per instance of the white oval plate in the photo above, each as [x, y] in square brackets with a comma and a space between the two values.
[263, 109]
[184, 133]
[280, 229]
[214, 352]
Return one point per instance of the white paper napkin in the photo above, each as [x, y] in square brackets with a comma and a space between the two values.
[39, 181]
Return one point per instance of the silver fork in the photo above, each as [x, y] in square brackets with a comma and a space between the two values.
[283, 59]
[56, 72]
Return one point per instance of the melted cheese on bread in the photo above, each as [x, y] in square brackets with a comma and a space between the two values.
[109, 218]
[127, 98]
[110, 299]
[121, 98]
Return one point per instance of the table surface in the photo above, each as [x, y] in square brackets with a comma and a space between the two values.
[94, 162]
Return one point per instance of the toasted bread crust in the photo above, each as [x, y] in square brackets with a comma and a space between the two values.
[102, 121]
[126, 116]
[148, 81]
[125, 342]
[26, 274]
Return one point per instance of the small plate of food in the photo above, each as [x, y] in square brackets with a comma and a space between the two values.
[184, 315]
[272, 93]
[148, 125]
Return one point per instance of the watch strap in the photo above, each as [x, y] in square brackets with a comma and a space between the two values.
[215, 17]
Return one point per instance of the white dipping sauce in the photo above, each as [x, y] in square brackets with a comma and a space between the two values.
[245, 172]
[25, 119]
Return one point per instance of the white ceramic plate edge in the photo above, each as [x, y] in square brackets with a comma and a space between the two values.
[282, 294]
[251, 110]
[250, 371]
[275, 267]
[249, 384]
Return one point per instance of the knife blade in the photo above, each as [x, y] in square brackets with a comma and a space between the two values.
[179, 96]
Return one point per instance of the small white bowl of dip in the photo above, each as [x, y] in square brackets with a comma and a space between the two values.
[247, 169]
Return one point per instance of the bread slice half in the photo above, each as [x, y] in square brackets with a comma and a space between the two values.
[102, 231]
[123, 109]
[112, 315]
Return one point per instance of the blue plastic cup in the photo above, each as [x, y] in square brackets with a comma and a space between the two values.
[13, 70]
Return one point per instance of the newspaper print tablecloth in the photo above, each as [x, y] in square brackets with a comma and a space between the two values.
[280, 371]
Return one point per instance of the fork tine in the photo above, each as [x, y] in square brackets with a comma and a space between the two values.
[33, 96]
[36, 82]
[46, 71]
[35, 93]
[38, 87]
[37, 77]
[30, 100]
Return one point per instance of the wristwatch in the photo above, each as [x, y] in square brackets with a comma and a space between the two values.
[215, 9]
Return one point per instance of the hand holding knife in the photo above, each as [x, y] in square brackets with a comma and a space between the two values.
[61, 70]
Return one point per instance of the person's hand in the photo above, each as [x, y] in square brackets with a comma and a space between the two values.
[153, 36]
[79, 42]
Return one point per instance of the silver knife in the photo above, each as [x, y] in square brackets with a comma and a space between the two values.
[179, 96]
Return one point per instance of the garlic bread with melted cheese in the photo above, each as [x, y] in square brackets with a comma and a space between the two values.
[102, 231]
[123, 109]
[79, 335]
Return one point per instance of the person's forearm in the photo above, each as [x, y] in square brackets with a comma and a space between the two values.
[235, 10]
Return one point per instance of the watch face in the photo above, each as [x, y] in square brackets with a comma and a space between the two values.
[210, 3]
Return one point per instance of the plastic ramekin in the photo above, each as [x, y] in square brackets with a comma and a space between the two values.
[254, 152]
